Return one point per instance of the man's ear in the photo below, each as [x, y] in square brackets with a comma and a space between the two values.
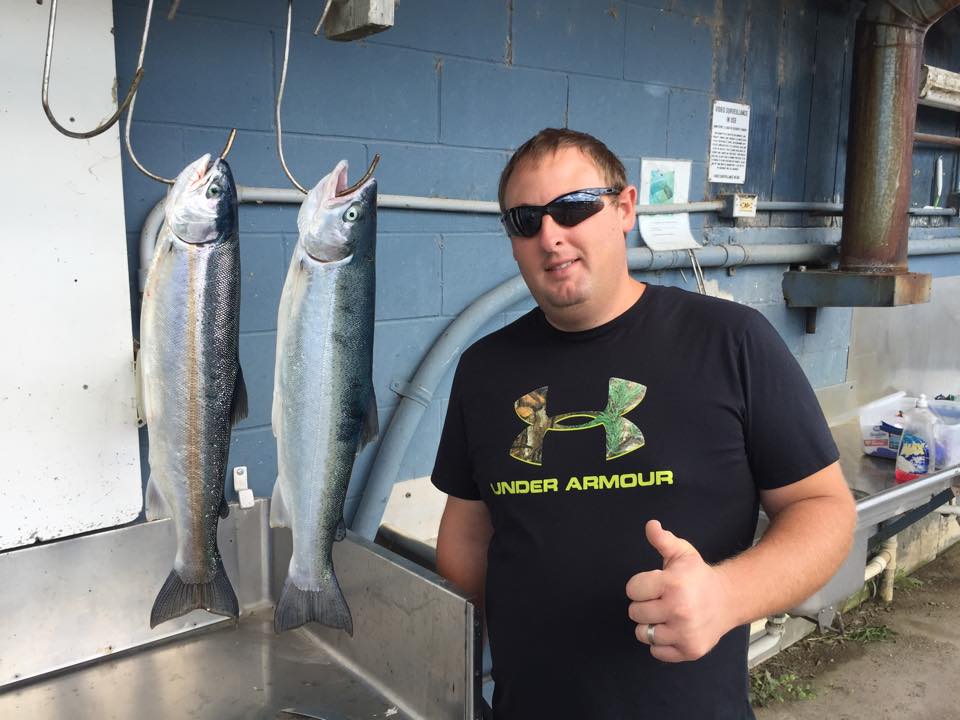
[627, 207]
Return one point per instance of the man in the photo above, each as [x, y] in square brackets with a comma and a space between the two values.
[605, 457]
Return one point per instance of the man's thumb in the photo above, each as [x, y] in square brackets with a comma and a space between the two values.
[665, 542]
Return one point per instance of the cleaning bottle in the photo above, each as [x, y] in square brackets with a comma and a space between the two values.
[916, 457]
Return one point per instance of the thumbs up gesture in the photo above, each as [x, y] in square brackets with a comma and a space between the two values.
[682, 610]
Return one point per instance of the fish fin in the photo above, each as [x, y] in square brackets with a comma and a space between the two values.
[177, 598]
[326, 606]
[238, 407]
[341, 531]
[371, 424]
[157, 505]
[224, 507]
[279, 515]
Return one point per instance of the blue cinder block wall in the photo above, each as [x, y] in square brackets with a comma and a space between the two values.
[445, 96]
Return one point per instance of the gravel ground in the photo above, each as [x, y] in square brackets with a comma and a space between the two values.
[899, 661]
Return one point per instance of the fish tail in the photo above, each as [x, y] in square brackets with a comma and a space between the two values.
[326, 606]
[177, 597]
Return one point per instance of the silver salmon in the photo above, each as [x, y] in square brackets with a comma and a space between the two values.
[324, 409]
[192, 388]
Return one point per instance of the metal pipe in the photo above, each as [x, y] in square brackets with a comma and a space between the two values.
[886, 78]
[929, 139]
[890, 572]
[259, 195]
[376, 487]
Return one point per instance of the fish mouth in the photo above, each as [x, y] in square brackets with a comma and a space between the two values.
[202, 174]
[337, 192]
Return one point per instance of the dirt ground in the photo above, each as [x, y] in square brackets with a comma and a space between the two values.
[896, 661]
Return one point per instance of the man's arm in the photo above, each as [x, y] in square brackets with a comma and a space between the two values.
[462, 542]
[693, 604]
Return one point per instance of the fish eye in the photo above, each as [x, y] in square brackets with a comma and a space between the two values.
[213, 191]
[352, 213]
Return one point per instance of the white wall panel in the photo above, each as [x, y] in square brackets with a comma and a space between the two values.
[69, 457]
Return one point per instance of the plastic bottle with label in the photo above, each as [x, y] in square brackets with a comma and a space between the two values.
[916, 456]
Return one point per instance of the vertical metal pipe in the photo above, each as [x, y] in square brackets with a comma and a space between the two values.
[886, 74]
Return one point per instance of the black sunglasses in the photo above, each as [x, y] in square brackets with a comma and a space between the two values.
[567, 210]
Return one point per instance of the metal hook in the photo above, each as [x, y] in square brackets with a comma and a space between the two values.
[129, 121]
[276, 113]
[361, 181]
[323, 16]
[283, 84]
[45, 86]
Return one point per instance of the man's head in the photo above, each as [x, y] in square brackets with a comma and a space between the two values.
[570, 245]
[548, 141]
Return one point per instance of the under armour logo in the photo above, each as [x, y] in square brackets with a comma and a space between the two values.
[622, 435]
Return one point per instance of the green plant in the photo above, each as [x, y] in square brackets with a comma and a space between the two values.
[767, 688]
[871, 633]
[902, 581]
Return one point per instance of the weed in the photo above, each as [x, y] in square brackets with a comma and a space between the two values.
[871, 633]
[902, 581]
[766, 688]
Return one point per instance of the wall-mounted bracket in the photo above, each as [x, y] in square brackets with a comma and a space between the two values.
[835, 288]
[355, 19]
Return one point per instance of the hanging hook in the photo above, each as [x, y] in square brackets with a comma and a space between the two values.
[323, 16]
[129, 120]
[361, 181]
[283, 83]
[45, 86]
[276, 113]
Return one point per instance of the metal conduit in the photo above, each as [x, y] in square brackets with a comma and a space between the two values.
[452, 342]
[259, 195]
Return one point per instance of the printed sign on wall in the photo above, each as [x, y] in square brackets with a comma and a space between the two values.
[728, 142]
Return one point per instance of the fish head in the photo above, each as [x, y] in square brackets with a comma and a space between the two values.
[333, 226]
[202, 204]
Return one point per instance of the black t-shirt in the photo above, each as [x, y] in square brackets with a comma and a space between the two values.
[678, 410]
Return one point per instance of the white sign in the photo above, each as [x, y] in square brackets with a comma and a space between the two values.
[728, 142]
[665, 182]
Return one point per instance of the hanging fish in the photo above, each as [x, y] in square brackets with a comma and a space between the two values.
[324, 409]
[191, 384]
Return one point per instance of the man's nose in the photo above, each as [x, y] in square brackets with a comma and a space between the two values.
[551, 233]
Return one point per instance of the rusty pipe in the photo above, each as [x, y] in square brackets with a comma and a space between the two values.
[888, 56]
[944, 140]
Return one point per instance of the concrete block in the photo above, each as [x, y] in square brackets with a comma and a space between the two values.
[257, 355]
[631, 118]
[833, 330]
[662, 45]
[359, 90]
[697, 8]
[437, 222]
[825, 367]
[408, 276]
[754, 284]
[262, 274]
[936, 265]
[254, 159]
[199, 71]
[463, 256]
[432, 171]
[580, 36]
[791, 324]
[455, 27]
[257, 449]
[160, 149]
[688, 126]
[398, 348]
[268, 218]
[493, 106]
[699, 190]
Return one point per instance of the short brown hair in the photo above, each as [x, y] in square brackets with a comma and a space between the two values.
[550, 140]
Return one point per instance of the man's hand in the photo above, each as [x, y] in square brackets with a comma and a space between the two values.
[686, 602]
